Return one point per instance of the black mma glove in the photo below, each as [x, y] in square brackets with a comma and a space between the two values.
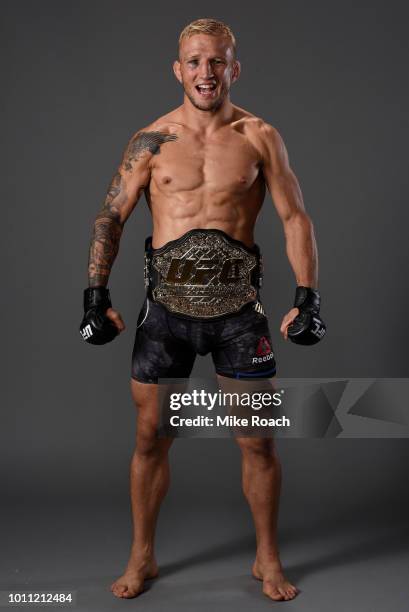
[96, 328]
[308, 327]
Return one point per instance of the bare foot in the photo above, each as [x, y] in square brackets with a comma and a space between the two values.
[131, 583]
[275, 585]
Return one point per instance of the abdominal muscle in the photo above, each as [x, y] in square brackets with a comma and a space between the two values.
[235, 214]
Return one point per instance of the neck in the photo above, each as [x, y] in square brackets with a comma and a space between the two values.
[207, 121]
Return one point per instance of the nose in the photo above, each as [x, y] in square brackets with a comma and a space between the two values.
[206, 69]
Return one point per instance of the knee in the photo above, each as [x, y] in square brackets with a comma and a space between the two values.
[149, 445]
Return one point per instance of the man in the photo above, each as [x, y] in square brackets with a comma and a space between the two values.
[203, 168]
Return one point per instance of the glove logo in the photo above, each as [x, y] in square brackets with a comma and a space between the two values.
[318, 330]
[86, 332]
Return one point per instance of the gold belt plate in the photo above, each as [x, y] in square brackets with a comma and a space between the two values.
[204, 276]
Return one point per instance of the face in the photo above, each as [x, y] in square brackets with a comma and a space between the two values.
[206, 69]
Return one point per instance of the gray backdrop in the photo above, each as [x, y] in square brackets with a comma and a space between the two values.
[78, 80]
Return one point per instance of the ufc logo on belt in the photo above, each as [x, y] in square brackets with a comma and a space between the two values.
[187, 271]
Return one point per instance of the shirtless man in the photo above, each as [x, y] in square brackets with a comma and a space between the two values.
[203, 168]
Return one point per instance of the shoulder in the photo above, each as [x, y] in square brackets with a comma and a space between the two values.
[146, 142]
[264, 137]
[166, 125]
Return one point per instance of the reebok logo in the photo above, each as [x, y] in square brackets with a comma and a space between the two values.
[263, 347]
[263, 352]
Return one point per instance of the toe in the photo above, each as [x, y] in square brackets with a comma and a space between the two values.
[119, 590]
[273, 593]
[132, 592]
[283, 592]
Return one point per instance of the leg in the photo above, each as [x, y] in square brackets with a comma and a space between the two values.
[261, 472]
[149, 481]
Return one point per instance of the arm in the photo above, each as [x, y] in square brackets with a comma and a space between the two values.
[132, 177]
[286, 193]
[302, 323]
[101, 323]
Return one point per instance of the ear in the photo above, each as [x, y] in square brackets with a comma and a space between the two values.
[236, 71]
[176, 70]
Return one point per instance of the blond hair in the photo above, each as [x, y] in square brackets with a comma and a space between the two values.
[212, 27]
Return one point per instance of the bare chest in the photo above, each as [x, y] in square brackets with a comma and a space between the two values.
[190, 163]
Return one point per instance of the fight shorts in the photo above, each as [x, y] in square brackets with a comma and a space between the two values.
[202, 297]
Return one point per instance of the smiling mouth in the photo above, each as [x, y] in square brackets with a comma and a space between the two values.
[206, 91]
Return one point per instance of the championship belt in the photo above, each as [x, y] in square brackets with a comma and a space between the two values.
[203, 274]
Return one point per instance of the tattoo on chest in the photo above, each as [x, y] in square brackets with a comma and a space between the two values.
[145, 141]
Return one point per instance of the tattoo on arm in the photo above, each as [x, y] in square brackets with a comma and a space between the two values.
[108, 226]
[145, 141]
[105, 240]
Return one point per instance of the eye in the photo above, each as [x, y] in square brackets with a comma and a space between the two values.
[192, 62]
